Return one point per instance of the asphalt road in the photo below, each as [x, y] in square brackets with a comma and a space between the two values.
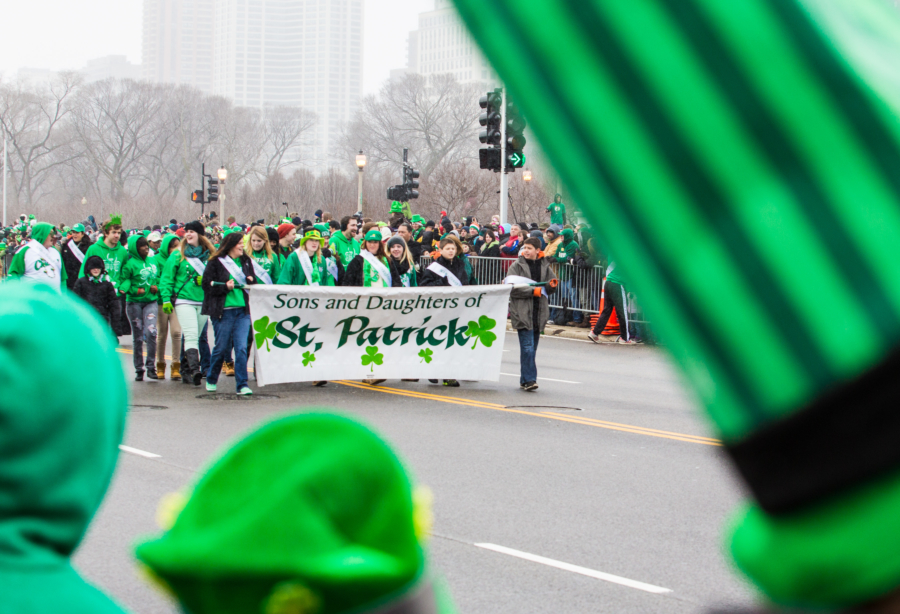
[607, 468]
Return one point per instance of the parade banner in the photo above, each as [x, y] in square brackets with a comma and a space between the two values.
[307, 333]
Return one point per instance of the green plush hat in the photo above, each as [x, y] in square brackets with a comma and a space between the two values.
[381, 224]
[312, 235]
[309, 514]
[373, 235]
[114, 220]
[396, 207]
[418, 219]
[78, 228]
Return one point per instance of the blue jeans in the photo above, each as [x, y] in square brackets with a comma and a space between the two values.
[231, 332]
[568, 294]
[203, 346]
[528, 343]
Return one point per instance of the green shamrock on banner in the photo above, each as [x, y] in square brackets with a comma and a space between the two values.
[308, 359]
[264, 331]
[426, 355]
[372, 357]
[481, 330]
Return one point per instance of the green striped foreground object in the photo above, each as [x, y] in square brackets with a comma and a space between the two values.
[742, 158]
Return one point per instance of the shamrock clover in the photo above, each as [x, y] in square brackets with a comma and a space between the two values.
[308, 359]
[481, 330]
[372, 357]
[426, 355]
[264, 331]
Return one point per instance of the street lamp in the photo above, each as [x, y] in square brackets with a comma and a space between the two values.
[83, 201]
[526, 176]
[361, 165]
[223, 175]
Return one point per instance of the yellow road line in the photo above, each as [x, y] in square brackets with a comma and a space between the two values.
[612, 426]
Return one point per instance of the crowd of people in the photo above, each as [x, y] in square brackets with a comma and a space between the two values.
[166, 283]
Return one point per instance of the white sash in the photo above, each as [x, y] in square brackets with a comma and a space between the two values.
[441, 270]
[331, 265]
[42, 264]
[197, 264]
[73, 247]
[234, 269]
[518, 279]
[307, 265]
[261, 272]
[383, 271]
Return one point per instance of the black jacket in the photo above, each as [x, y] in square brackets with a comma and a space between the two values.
[353, 276]
[457, 267]
[99, 295]
[214, 296]
[415, 249]
[71, 261]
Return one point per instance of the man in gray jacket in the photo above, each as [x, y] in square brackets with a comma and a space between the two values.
[529, 307]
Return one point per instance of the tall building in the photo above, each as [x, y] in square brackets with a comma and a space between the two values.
[110, 67]
[305, 53]
[178, 42]
[442, 44]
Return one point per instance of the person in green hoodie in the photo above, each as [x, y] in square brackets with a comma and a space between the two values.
[181, 293]
[113, 254]
[565, 257]
[557, 211]
[166, 323]
[344, 243]
[38, 261]
[57, 449]
[138, 280]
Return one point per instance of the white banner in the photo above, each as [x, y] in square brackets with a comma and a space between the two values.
[306, 333]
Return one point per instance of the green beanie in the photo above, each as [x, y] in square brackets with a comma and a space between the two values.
[58, 448]
[310, 513]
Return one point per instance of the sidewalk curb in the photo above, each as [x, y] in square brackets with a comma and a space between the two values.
[568, 332]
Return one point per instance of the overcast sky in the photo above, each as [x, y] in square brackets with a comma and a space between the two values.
[60, 34]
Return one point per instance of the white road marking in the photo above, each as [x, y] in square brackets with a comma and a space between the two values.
[139, 452]
[641, 586]
[546, 379]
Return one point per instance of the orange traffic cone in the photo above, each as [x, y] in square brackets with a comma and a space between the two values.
[612, 325]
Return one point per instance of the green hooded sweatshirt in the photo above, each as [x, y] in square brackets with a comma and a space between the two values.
[565, 252]
[344, 249]
[161, 258]
[180, 280]
[18, 266]
[114, 258]
[57, 449]
[138, 273]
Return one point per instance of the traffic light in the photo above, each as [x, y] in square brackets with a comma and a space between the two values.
[396, 193]
[212, 189]
[410, 184]
[489, 159]
[197, 196]
[491, 118]
[515, 137]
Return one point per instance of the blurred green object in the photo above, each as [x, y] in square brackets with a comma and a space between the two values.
[744, 160]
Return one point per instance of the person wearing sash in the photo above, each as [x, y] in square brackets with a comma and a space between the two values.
[312, 264]
[38, 260]
[73, 253]
[401, 257]
[181, 293]
[448, 269]
[226, 303]
[261, 253]
[372, 268]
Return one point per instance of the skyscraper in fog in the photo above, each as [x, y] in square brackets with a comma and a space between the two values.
[305, 53]
[178, 42]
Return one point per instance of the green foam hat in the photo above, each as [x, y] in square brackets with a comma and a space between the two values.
[312, 235]
[373, 235]
[396, 207]
[418, 219]
[310, 513]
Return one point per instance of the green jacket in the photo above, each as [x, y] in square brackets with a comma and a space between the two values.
[17, 268]
[557, 213]
[161, 258]
[614, 274]
[565, 252]
[138, 274]
[272, 266]
[344, 249]
[114, 258]
[57, 449]
[293, 274]
[180, 280]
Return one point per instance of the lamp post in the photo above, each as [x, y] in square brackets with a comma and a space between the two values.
[223, 175]
[360, 164]
[526, 176]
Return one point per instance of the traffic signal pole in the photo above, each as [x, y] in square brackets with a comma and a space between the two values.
[504, 178]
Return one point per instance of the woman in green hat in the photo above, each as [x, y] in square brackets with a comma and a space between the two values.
[312, 264]
[372, 268]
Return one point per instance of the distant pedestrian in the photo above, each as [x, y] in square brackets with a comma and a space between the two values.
[615, 297]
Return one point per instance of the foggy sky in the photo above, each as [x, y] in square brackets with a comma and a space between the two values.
[64, 34]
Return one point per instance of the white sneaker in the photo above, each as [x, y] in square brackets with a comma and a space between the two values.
[210, 387]
[245, 391]
[624, 342]
[593, 337]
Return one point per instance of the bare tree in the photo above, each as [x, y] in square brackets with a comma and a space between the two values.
[284, 131]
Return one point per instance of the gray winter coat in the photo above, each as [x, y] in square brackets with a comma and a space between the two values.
[520, 299]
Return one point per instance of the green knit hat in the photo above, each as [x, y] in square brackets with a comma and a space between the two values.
[323, 228]
[310, 514]
[396, 207]
[373, 235]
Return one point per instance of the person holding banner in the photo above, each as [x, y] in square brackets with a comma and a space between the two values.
[311, 264]
[448, 269]
[402, 259]
[181, 293]
[73, 250]
[226, 303]
[372, 268]
[529, 305]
